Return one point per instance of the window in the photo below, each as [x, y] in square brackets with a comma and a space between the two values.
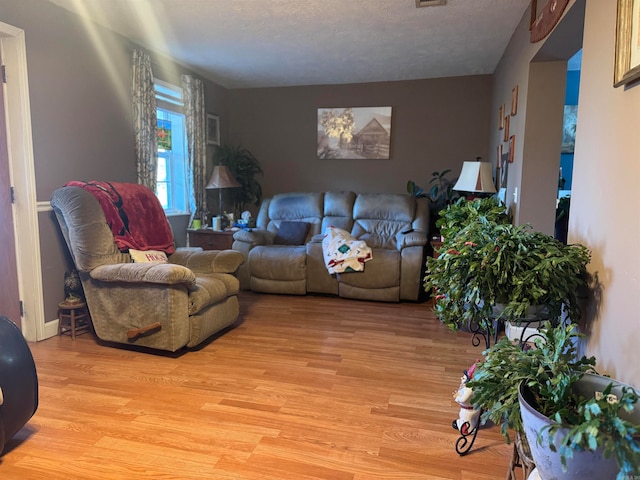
[171, 187]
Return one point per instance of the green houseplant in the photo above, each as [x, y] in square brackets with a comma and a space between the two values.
[463, 212]
[245, 168]
[554, 377]
[440, 193]
[488, 264]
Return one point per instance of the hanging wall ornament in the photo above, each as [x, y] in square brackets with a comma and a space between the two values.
[547, 19]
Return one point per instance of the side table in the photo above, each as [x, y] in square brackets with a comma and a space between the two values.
[73, 318]
[210, 239]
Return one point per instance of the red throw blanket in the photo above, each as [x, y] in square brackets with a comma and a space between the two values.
[133, 213]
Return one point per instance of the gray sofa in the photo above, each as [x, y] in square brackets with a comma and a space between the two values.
[395, 226]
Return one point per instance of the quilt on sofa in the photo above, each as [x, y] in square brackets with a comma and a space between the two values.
[343, 253]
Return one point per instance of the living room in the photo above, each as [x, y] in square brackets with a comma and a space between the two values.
[81, 130]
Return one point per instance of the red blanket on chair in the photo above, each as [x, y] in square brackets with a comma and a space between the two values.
[133, 213]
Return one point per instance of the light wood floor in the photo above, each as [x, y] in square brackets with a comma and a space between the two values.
[302, 388]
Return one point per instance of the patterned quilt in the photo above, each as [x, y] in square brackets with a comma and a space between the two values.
[343, 253]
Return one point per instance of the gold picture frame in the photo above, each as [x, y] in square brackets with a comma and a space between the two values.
[501, 117]
[514, 101]
[627, 58]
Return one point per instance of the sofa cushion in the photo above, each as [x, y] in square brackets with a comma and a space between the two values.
[278, 262]
[291, 233]
[381, 272]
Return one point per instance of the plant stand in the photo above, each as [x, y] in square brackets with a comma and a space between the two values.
[465, 442]
[520, 459]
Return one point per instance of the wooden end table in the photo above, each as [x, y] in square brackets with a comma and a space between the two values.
[210, 239]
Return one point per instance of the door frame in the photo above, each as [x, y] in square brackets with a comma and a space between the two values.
[22, 171]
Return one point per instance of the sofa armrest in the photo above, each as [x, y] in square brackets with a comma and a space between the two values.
[208, 261]
[413, 238]
[161, 273]
[317, 238]
[254, 237]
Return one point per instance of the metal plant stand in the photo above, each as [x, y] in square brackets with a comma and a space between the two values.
[482, 333]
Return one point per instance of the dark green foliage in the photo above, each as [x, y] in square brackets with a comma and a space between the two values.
[550, 370]
[487, 264]
[465, 212]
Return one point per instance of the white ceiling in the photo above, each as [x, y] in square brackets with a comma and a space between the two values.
[249, 43]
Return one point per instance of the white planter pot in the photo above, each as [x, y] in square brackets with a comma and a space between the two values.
[584, 465]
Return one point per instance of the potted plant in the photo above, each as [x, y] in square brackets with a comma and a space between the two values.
[244, 167]
[488, 264]
[440, 194]
[463, 212]
[549, 382]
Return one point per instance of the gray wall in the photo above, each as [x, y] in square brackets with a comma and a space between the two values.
[436, 124]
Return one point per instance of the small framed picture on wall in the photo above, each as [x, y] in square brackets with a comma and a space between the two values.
[213, 129]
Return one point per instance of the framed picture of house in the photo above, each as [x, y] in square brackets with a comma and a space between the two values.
[213, 129]
[354, 133]
[627, 59]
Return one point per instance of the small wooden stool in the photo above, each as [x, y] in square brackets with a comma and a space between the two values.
[72, 317]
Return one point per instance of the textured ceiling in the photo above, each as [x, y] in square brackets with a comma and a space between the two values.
[246, 43]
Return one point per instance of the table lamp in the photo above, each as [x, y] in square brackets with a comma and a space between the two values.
[476, 177]
[221, 178]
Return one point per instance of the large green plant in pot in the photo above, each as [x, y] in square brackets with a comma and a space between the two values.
[579, 412]
[245, 168]
[488, 264]
[463, 212]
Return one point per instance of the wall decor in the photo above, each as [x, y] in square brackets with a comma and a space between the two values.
[213, 129]
[501, 117]
[547, 19]
[164, 134]
[569, 128]
[514, 101]
[506, 128]
[354, 133]
[512, 148]
[627, 59]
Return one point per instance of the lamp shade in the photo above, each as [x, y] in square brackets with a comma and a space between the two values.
[475, 177]
[221, 178]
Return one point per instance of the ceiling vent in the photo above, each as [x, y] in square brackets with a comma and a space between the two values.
[429, 3]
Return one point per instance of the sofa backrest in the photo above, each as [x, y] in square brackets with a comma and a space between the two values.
[379, 217]
[294, 207]
[338, 210]
[375, 218]
[85, 229]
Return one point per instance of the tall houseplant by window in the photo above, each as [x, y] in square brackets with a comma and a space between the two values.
[245, 168]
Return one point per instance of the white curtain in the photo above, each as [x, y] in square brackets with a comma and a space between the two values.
[144, 119]
[194, 107]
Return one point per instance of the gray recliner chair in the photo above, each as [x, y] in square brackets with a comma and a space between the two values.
[164, 306]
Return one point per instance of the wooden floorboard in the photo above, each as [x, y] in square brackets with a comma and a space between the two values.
[301, 388]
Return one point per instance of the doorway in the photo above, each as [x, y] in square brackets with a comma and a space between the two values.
[569, 125]
[21, 177]
[9, 295]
